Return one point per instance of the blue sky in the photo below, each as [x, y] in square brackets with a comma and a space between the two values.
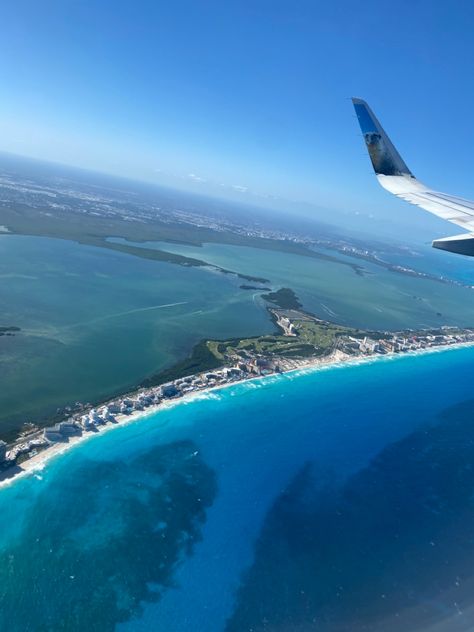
[248, 99]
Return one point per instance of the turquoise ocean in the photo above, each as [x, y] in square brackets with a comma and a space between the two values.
[332, 499]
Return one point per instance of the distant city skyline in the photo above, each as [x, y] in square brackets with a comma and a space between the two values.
[245, 101]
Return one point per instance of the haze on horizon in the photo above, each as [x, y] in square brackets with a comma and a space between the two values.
[245, 101]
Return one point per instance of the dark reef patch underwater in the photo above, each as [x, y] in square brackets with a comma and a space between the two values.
[159, 499]
[390, 549]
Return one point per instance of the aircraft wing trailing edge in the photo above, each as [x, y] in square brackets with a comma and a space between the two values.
[393, 174]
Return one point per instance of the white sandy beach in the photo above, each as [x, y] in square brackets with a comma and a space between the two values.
[335, 359]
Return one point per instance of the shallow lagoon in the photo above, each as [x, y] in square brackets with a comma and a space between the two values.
[378, 299]
[95, 322]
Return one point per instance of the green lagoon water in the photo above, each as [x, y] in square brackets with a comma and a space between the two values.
[377, 299]
[95, 322]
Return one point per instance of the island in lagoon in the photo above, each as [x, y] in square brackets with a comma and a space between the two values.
[9, 331]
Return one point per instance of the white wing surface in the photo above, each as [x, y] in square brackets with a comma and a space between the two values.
[394, 175]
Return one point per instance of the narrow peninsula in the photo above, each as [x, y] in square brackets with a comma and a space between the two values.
[301, 340]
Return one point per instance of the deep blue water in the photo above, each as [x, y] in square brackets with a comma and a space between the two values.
[339, 499]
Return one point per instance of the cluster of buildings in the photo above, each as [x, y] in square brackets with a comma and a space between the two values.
[284, 323]
[402, 342]
[28, 447]
[90, 420]
[86, 419]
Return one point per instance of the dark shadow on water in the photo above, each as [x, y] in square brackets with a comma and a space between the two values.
[105, 540]
[390, 550]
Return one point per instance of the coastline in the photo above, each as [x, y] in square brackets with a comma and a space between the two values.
[337, 359]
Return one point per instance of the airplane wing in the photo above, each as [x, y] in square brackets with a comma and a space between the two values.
[393, 174]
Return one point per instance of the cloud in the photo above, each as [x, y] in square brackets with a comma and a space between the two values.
[238, 187]
[195, 178]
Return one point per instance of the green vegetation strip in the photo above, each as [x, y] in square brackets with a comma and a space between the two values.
[201, 359]
[314, 338]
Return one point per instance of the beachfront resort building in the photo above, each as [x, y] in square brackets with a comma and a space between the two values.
[61, 431]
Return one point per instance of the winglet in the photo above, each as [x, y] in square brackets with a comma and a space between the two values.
[460, 244]
[385, 158]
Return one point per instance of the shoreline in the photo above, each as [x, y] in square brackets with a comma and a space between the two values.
[336, 359]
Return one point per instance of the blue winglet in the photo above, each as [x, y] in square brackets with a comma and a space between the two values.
[385, 158]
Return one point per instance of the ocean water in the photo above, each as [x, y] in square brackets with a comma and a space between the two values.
[337, 499]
